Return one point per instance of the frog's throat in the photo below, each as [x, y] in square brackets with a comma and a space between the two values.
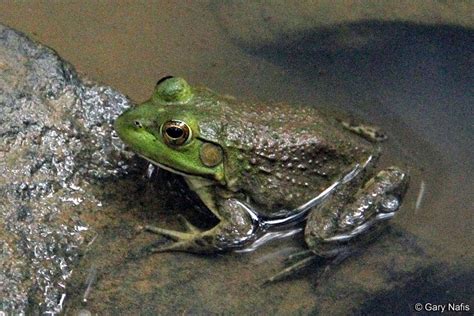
[181, 173]
[201, 187]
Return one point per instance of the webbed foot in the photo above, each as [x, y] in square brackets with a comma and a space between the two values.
[297, 262]
[235, 229]
[303, 259]
[192, 239]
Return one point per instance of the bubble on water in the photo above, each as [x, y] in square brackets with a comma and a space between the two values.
[84, 312]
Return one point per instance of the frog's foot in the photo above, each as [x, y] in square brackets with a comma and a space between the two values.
[190, 228]
[371, 133]
[297, 262]
[235, 229]
[303, 259]
[192, 240]
[180, 238]
[332, 226]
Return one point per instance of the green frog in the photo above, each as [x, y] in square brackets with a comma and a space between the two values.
[260, 166]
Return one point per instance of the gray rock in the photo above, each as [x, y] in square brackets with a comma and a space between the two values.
[55, 140]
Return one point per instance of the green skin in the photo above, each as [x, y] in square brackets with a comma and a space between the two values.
[271, 157]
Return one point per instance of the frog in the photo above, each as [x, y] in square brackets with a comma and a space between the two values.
[261, 165]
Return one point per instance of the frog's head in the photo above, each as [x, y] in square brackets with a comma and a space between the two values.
[165, 130]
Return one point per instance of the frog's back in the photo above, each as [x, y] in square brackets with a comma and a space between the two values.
[284, 155]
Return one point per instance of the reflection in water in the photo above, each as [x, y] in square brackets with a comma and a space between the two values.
[270, 236]
[276, 254]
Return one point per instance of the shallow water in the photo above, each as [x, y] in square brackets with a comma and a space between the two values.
[414, 80]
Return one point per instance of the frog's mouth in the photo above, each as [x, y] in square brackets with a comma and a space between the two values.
[168, 168]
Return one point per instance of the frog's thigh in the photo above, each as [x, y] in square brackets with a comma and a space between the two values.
[236, 227]
[335, 222]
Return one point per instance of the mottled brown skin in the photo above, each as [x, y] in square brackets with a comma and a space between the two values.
[281, 156]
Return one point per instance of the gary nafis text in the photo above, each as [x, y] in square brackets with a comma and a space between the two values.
[449, 307]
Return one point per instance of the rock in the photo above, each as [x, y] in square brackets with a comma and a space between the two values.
[55, 139]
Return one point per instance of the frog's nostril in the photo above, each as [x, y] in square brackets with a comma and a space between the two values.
[138, 124]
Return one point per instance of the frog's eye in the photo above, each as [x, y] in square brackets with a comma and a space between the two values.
[175, 132]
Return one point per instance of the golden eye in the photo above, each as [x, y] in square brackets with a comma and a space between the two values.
[175, 132]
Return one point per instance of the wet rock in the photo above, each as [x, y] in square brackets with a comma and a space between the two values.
[55, 140]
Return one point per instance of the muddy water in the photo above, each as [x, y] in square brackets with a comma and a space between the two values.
[393, 67]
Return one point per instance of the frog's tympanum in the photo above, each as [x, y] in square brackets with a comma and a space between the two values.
[259, 166]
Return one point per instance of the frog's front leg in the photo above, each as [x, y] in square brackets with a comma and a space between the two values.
[235, 229]
[332, 227]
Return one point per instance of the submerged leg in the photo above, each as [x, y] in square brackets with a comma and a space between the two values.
[235, 229]
[299, 255]
[299, 265]
[349, 214]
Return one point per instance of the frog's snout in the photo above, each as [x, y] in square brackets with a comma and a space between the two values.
[126, 124]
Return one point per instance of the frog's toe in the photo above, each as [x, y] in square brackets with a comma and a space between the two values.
[173, 234]
[175, 246]
[298, 256]
[183, 241]
[190, 227]
[190, 232]
[304, 260]
[371, 133]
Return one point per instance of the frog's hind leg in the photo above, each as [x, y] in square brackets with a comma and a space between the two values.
[297, 261]
[352, 212]
[347, 215]
[303, 259]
